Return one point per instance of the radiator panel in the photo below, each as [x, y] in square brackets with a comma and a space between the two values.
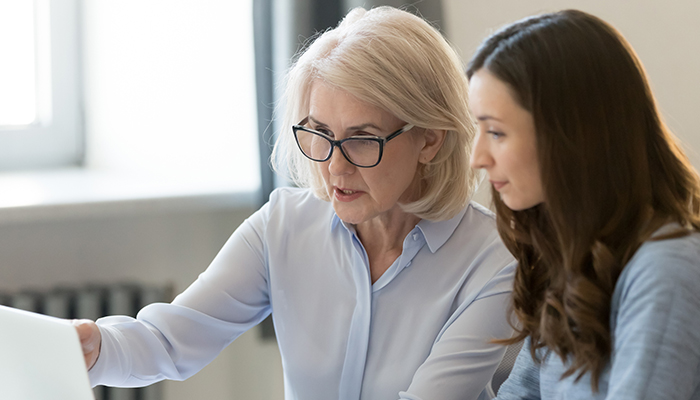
[93, 302]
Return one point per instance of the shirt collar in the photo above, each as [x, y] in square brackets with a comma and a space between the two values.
[336, 221]
[436, 233]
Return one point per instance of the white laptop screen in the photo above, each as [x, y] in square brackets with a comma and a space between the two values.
[40, 358]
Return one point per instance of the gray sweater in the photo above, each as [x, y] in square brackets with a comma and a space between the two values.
[655, 325]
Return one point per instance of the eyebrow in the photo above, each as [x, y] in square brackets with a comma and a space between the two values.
[352, 128]
[488, 117]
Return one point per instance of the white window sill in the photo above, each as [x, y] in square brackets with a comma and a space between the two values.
[80, 193]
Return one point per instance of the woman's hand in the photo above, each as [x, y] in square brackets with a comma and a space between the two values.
[90, 340]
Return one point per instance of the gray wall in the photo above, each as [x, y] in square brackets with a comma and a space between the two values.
[151, 241]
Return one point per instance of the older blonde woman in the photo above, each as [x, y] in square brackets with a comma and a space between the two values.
[382, 279]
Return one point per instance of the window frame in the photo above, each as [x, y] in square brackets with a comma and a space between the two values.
[56, 138]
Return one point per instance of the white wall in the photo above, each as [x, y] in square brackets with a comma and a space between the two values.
[665, 35]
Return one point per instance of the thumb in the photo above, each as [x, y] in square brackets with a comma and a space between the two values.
[90, 339]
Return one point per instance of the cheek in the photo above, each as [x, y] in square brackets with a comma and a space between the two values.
[530, 169]
[390, 181]
[323, 173]
[533, 164]
[401, 170]
[322, 170]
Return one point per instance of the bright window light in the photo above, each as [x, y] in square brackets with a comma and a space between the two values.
[17, 71]
[170, 90]
[41, 119]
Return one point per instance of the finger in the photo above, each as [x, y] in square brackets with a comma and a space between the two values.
[83, 328]
[87, 334]
[90, 338]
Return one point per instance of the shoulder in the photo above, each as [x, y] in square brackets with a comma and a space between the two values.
[478, 207]
[477, 227]
[481, 213]
[477, 243]
[468, 238]
[655, 320]
[666, 260]
[293, 201]
[662, 268]
[292, 195]
[293, 207]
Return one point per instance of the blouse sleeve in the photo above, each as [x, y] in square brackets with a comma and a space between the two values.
[657, 327]
[174, 341]
[463, 359]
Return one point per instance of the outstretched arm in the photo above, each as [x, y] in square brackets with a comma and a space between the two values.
[174, 341]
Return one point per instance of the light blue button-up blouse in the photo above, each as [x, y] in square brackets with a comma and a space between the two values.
[421, 331]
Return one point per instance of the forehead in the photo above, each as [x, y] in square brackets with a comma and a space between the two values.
[332, 105]
[491, 98]
[486, 90]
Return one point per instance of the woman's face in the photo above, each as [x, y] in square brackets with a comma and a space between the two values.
[360, 194]
[506, 142]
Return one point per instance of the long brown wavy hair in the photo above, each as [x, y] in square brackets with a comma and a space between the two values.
[611, 170]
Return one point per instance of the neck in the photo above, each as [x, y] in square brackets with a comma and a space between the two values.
[382, 238]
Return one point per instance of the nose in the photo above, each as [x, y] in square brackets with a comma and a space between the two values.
[480, 157]
[338, 164]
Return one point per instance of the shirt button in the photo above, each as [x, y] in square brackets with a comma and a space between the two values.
[415, 236]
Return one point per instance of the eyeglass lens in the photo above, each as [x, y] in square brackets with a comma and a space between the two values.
[362, 152]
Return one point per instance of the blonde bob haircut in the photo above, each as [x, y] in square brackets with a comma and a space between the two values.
[396, 61]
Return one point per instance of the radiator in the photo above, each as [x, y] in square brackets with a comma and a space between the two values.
[92, 302]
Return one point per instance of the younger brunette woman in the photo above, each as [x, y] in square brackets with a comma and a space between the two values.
[600, 207]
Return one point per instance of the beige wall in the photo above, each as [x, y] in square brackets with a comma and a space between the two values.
[665, 34]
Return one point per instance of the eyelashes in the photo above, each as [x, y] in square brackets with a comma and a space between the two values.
[495, 134]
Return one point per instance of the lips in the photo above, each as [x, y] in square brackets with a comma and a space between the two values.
[346, 194]
[498, 184]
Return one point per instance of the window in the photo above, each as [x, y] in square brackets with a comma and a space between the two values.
[170, 91]
[18, 78]
[167, 90]
[40, 121]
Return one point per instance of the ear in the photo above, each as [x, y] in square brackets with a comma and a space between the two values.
[434, 138]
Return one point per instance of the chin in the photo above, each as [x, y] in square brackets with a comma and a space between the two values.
[350, 220]
[520, 204]
[347, 217]
[522, 207]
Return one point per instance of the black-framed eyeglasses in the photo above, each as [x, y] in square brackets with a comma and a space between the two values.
[362, 151]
